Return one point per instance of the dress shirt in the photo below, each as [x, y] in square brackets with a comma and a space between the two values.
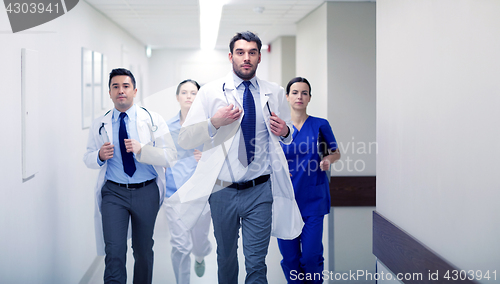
[114, 171]
[233, 170]
[186, 164]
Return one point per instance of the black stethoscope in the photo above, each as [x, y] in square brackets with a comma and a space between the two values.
[153, 126]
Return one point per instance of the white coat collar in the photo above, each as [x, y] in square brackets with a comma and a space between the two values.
[229, 88]
[143, 120]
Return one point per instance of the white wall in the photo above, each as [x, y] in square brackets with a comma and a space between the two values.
[335, 46]
[311, 58]
[352, 112]
[169, 67]
[275, 60]
[351, 85]
[47, 222]
[352, 239]
[288, 62]
[438, 95]
[336, 53]
[282, 60]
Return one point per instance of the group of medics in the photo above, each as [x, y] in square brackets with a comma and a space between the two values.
[145, 162]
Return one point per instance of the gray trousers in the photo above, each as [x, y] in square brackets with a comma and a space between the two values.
[140, 206]
[252, 210]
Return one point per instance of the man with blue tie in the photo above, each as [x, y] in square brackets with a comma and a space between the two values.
[243, 173]
[130, 146]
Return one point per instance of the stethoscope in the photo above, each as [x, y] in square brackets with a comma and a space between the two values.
[153, 126]
[224, 91]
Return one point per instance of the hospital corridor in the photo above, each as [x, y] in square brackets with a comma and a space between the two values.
[394, 101]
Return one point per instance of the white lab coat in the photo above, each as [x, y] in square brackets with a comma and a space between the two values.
[191, 198]
[158, 150]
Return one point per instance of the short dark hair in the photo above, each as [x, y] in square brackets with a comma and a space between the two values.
[121, 72]
[248, 36]
[184, 82]
[297, 80]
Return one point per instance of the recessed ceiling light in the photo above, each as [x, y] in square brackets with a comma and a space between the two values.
[210, 14]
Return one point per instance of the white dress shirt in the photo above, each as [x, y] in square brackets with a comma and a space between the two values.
[233, 170]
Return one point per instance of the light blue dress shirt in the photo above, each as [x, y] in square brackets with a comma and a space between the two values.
[115, 172]
[186, 164]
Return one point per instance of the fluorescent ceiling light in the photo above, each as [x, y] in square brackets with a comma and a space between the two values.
[210, 14]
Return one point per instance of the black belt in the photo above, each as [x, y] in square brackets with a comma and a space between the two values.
[244, 184]
[133, 185]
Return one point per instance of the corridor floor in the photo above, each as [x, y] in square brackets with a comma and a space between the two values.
[163, 273]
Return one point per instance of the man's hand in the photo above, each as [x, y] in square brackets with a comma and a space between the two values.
[197, 155]
[225, 115]
[106, 151]
[132, 146]
[278, 126]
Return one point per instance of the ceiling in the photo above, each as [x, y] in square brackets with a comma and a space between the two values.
[175, 23]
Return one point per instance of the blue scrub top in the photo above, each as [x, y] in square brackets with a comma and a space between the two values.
[186, 165]
[310, 184]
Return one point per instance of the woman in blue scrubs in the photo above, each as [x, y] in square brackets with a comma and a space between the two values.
[303, 260]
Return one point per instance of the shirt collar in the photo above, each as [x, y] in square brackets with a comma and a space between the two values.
[176, 118]
[238, 81]
[131, 113]
[173, 122]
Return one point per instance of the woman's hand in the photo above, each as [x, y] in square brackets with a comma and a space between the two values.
[325, 164]
[334, 156]
[197, 155]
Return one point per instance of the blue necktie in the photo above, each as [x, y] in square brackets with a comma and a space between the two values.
[248, 126]
[127, 158]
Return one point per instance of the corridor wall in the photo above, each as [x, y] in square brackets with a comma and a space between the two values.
[438, 96]
[47, 230]
[335, 51]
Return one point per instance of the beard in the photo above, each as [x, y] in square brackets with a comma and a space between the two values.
[242, 75]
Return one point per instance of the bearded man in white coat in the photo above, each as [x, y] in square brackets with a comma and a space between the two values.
[240, 121]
